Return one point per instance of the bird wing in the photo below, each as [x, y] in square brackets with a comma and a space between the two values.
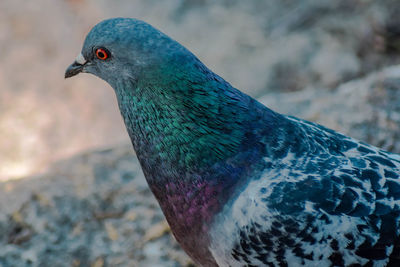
[330, 200]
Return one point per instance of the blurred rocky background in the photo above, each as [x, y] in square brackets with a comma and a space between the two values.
[82, 199]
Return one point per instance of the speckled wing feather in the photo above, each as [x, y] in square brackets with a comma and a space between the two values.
[327, 201]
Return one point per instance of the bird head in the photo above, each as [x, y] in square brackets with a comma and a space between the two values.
[121, 48]
[172, 103]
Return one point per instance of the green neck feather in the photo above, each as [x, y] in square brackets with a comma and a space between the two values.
[184, 123]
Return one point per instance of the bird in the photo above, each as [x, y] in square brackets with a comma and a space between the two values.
[238, 183]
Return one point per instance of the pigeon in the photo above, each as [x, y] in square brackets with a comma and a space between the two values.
[240, 184]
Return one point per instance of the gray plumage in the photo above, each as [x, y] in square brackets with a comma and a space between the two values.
[240, 184]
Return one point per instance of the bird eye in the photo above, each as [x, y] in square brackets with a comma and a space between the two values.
[101, 53]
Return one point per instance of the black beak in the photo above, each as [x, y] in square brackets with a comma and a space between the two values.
[73, 69]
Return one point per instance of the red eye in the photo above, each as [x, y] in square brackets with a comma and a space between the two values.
[101, 53]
